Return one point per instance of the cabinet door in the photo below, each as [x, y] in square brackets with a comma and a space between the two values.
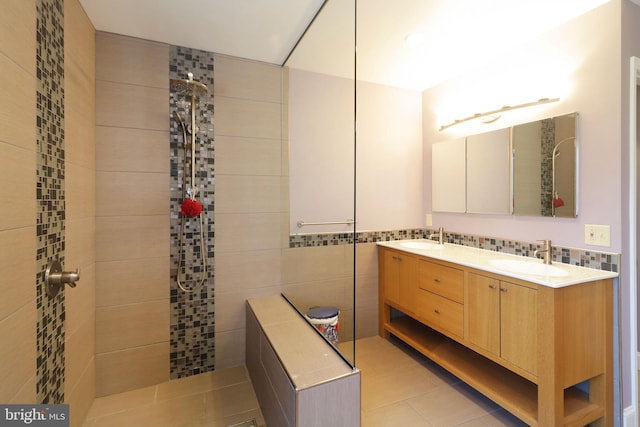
[483, 302]
[399, 279]
[391, 278]
[519, 325]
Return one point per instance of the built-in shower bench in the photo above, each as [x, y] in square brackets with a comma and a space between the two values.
[298, 377]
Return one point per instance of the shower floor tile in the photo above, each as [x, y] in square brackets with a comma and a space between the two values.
[399, 388]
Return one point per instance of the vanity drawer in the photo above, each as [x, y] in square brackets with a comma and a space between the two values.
[442, 280]
[440, 312]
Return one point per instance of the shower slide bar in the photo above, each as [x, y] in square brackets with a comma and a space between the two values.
[302, 223]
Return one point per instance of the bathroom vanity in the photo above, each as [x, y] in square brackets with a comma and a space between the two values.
[534, 338]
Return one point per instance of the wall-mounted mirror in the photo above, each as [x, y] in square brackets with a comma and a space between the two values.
[545, 167]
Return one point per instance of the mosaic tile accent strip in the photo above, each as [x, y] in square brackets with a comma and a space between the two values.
[50, 197]
[192, 339]
[548, 140]
[584, 258]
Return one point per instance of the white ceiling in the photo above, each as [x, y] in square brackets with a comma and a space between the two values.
[458, 33]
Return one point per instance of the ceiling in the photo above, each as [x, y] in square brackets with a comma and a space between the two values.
[458, 34]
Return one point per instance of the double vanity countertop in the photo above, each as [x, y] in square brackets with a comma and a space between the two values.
[556, 275]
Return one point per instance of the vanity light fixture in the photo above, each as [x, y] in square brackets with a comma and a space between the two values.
[492, 116]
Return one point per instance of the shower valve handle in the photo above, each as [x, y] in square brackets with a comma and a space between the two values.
[55, 278]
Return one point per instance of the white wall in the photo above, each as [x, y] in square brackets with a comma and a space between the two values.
[389, 154]
[582, 67]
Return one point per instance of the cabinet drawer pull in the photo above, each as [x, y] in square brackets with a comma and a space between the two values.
[437, 280]
[503, 289]
[436, 311]
[492, 286]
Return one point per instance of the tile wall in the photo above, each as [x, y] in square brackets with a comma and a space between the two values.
[80, 196]
[46, 168]
[17, 212]
[50, 196]
[584, 258]
[132, 221]
[251, 194]
[192, 338]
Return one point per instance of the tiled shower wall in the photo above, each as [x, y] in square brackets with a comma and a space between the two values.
[50, 196]
[46, 170]
[132, 213]
[192, 338]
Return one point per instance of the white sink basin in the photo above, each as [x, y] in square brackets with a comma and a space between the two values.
[528, 267]
[420, 244]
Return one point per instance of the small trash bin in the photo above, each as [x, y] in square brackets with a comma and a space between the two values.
[325, 320]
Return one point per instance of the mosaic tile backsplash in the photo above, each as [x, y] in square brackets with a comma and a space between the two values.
[50, 215]
[192, 344]
[574, 256]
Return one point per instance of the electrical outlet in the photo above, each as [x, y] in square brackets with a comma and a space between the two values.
[597, 235]
[429, 220]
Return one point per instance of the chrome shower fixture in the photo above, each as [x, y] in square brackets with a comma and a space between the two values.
[191, 90]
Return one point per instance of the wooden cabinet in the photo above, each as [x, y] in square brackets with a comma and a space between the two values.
[398, 272]
[439, 296]
[529, 348]
[502, 319]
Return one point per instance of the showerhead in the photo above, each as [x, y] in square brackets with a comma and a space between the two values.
[189, 87]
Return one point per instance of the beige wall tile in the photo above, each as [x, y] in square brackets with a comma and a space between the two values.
[367, 259]
[230, 348]
[18, 115]
[247, 232]
[241, 78]
[131, 106]
[132, 281]
[125, 326]
[132, 193]
[243, 194]
[81, 397]
[27, 393]
[314, 263]
[80, 242]
[80, 301]
[231, 306]
[18, 34]
[80, 191]
[132, 237]
[247, 156]
[18, 360]
[17, 263]
[318, 293]
[18, 178]
[80, 353]
[132, 150]
[132, 61]
[247, 118]
[131, 369]
[247, 270]
[367, 292]
[80, 136]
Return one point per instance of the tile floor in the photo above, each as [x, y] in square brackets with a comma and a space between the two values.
[399, 388]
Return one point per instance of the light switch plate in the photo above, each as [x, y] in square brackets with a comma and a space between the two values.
[597, 235]
[428, 220]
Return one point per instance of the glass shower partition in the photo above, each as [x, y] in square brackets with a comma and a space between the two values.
[319, 264]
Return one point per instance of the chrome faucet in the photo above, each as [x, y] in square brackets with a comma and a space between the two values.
[439, 235]
[546, 251]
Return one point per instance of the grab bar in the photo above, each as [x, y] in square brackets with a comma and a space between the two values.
[302, 223]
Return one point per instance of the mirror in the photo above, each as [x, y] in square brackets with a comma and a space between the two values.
[488, 166]
[448, 176]
[545, 167]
